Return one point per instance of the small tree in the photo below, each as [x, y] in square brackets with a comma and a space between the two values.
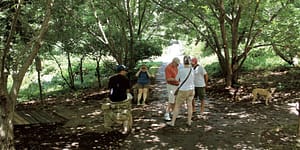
[16, 58]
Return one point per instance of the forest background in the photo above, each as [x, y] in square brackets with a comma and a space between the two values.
[52, 47]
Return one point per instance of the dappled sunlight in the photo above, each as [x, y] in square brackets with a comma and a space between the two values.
[207, 128]
[239, 114]
[157, 126]
[226, 123]
[293, 108]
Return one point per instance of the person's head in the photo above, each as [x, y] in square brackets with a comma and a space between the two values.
[186, 60]
[176, 61]
[144, 68]
[121, 69]
[194, 61]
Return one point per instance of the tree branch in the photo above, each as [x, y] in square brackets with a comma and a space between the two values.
[37, 42]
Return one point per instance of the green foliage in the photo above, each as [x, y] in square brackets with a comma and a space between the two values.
[214, 70]
[262, 59]
[133, 39]
[146, 49]
[258, 59]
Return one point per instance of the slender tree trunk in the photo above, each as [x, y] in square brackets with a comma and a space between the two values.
[40, 85]
[81, 69]
[228, 70]
[38, 67]
[298, 118]
[70, 72]
[98, 73]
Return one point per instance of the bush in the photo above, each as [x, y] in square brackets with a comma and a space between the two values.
[261, 60]
[214, 69]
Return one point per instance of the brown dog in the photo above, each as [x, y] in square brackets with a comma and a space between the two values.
[263, 92]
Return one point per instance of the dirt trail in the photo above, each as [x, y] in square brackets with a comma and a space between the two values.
[226, 124]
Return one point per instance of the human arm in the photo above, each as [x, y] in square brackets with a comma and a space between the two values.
[206, 79]
[138, 73]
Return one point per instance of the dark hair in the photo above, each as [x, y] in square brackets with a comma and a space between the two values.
[186, 60]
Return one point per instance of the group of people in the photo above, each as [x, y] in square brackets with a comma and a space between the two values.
[190, 80]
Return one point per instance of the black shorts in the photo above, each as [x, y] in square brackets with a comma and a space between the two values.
[141, 86]
[200, 92]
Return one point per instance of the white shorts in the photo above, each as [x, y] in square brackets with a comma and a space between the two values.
[171, 89]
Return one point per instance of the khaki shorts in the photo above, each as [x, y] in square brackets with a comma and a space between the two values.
[171, 89]
[183, 96]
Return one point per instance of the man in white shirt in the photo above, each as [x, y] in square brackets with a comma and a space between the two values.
[201, 79]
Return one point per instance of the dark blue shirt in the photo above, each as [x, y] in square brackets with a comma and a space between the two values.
[118, 85]
[143, 78]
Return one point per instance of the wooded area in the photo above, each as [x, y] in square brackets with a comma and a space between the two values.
[110, 32]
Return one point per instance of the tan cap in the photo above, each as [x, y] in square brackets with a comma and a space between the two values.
[176, 60]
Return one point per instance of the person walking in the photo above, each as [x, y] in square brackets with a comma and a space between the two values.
[143, 84]
[201, 80]
[185, 91]
[171, 71]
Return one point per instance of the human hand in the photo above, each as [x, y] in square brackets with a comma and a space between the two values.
[129, 96]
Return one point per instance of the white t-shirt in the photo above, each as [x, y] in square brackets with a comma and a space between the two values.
[189, 83]
[199, 76]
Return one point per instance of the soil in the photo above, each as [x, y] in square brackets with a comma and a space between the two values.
[230, 120]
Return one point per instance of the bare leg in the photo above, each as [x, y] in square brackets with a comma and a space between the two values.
[175, 112]
[202, 106]
[190, 111]
[145, 94]
[193, 105]
[139, 96]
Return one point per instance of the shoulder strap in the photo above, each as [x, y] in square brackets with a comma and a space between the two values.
[185, 78]
[196, 66]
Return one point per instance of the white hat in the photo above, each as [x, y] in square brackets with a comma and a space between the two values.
[176, 60]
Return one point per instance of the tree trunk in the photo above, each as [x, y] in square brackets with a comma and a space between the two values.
[298, 118]
[6, 123]
[70, 72]
[40, 85]
[98, 73]
[38, 67]
[8, 99]
[81, 69]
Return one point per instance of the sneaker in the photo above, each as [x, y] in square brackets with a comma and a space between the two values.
[189, 123]
[167, 117]
[170, 124]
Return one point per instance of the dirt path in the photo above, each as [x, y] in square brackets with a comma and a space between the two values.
[226, 124]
